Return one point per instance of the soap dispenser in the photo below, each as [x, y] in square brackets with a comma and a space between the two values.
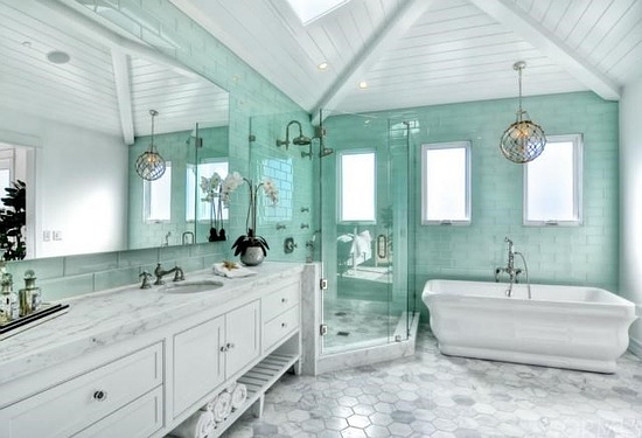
[8, 299]
[30, 296]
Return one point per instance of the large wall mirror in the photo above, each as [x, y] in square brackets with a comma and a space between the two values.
[75, 115]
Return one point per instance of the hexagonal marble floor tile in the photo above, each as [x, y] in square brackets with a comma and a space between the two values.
[431, 395]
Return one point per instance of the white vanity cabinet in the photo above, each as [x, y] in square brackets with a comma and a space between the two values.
[148, 366]
[212, 352]
[71, 406]
[280, 310]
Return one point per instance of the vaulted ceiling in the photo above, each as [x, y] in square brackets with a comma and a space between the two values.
[425, 52]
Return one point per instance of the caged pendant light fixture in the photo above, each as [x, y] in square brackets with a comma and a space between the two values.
[522, 141]
[150, 165]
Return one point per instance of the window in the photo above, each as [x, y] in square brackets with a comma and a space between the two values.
[157, 197]
[445, 189]
[357, 188]
[193, 190]
[553, 183]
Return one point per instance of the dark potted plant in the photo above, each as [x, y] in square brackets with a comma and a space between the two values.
[251, 248]
[12, 220]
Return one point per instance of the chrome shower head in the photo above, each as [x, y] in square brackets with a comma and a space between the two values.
[301, 140]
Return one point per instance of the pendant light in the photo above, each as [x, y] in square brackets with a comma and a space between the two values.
[150, 165]
[522, 141]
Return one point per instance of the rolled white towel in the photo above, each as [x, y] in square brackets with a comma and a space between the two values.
[239, 395]
[198, 425]
[230, 388]
[210, 406]
[223, 407]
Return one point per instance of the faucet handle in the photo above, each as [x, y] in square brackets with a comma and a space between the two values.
[178, 274]
[146, 276]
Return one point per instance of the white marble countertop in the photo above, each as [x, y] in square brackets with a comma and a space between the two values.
[104, 318]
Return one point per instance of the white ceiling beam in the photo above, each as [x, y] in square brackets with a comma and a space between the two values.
[382, 39]
[515, 19]
[123, 94]
[79, 22]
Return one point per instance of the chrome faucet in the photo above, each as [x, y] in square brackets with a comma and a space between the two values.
[159, 273]
[509, 269]
[184, 240]
[146, 277]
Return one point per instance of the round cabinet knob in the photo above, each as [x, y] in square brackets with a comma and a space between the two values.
[284, 300]
[284, 325]
[229, 345]
[223, 349]
[100, 395]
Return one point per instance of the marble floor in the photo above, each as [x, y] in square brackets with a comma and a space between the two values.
[431, 395]
[356, 322]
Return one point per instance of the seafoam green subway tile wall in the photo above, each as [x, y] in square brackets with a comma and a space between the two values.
[583, 255]
[293, 215]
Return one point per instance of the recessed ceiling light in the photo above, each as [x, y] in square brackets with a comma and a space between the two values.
[363, 85]
[58, 57]
[26, 44]
[323, 65]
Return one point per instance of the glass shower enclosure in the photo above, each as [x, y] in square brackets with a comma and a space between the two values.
[363, 168]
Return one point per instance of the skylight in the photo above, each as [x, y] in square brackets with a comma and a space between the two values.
[310, 10]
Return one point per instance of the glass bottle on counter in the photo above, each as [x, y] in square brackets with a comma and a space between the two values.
[8, 298]
[30, 296]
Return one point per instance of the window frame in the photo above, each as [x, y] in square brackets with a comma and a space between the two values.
[147, 198]
[198, 193]
[359, 151]
[578, 183]
[467, 146]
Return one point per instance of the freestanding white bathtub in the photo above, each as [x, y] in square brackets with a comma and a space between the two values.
[561, 326]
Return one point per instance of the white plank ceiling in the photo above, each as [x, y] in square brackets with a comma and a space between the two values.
[423, 52]
[84, 91]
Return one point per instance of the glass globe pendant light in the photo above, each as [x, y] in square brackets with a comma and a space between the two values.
[522, 141]
[150, 165]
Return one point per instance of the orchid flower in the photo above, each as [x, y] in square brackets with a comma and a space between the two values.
[271, 190]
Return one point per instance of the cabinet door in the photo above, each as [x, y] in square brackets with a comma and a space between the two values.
[198, 363]
[242, 337]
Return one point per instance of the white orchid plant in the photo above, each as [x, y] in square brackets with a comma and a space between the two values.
[229, 185]
[212, 189]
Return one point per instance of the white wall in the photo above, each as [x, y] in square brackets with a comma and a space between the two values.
[631, 202]
[80, 184]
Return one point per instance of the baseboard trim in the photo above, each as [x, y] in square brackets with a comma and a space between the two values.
[635, 347]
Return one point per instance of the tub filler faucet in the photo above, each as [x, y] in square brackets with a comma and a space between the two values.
[513, 273]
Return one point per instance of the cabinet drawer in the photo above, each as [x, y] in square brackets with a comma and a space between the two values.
[280, 300]
[280, 327]
[139, 419]
[71, 406]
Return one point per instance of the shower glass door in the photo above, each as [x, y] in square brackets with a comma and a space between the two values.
[363, 207]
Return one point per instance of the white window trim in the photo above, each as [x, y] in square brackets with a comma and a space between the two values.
[146, 205]
[339, 194]
[578, 201]
[424, 180]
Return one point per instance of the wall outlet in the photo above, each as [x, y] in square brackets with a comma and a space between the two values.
[46, 236]
[57, 235]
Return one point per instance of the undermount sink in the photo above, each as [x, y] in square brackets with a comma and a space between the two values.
[184, 287]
